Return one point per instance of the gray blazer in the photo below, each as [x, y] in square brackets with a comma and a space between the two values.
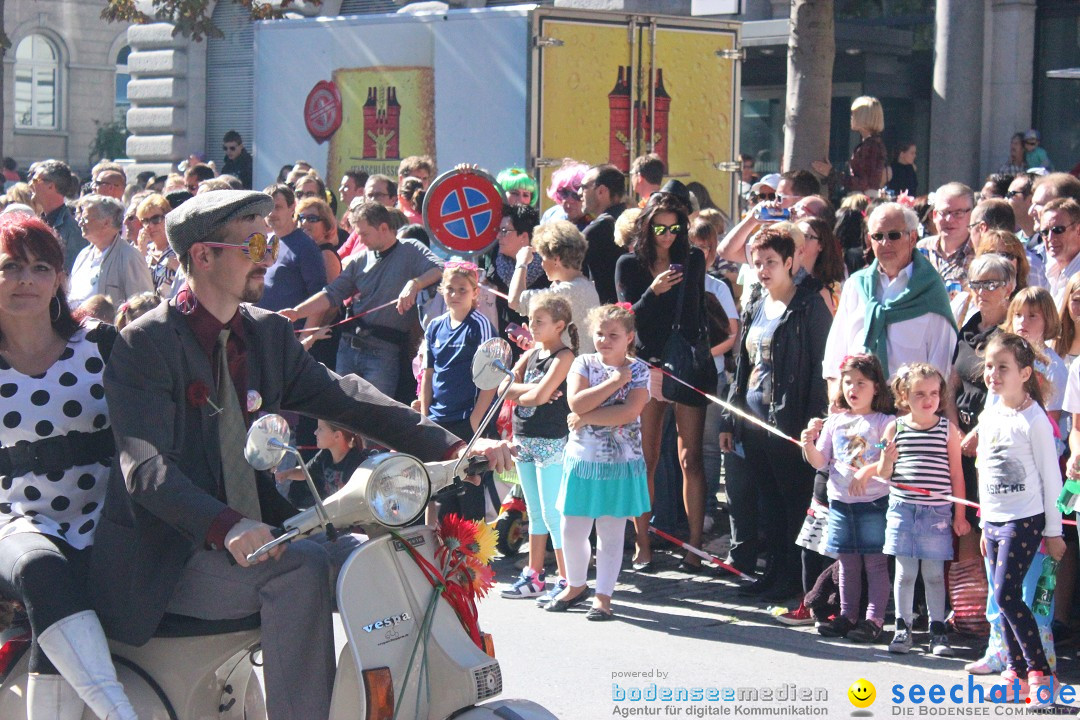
[164, 486]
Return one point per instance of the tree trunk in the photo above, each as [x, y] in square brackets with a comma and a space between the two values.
[811, 50]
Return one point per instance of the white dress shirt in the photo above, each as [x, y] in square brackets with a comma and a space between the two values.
[1057, 277]
[929, 338]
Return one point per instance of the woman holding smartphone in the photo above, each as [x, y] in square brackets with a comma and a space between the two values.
[663, 267]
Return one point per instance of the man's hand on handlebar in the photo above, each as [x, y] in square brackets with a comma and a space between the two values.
[246, 537]
[497, 453]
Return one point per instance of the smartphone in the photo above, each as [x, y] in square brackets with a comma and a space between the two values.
[768, 213]
[517, 332]
[676, 268]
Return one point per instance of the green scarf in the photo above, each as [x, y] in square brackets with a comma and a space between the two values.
[925, 293]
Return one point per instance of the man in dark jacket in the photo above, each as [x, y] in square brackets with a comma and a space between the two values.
[238, 160]
[51, 184]
[602, 190]
[183, 509]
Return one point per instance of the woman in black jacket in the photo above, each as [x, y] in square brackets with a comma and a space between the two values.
[663, 266]
[778, 379]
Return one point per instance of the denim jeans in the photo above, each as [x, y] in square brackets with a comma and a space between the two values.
[376, 361]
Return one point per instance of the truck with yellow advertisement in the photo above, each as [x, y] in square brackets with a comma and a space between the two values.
[519, 86]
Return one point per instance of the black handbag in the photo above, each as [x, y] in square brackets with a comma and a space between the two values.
[690, 362]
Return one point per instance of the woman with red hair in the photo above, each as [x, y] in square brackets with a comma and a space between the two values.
[56, 447]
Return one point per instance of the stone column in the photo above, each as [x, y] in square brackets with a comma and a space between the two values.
[159, 92]
[1011, 81]
[956, 105]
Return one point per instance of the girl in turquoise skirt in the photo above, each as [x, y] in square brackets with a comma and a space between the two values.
[604, 480]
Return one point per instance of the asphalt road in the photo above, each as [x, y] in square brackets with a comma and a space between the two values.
[682, 632]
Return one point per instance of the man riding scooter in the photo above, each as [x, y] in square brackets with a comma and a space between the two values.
[183, 508]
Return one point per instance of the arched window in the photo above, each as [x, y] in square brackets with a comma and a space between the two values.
[37, 84]
[122, 80]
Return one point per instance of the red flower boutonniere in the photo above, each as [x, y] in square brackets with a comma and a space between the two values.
[198, 395]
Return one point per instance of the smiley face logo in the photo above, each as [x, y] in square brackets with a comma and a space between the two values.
[862, 693]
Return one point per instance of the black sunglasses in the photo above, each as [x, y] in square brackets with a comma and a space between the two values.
[1056, 229]
[891, 236]
[1013, 193]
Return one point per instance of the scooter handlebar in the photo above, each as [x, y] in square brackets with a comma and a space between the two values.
[478, 465]
[283, 536]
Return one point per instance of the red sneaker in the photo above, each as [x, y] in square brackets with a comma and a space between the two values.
[799, 616]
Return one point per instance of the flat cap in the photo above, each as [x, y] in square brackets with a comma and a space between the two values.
[195, 220]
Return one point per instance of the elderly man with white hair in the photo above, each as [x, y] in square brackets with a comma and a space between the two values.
[897, 308]
[108, 265]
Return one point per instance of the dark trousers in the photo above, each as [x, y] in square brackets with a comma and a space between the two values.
[743, 516]
[49, 577]
[1010, 548]
[785, 482]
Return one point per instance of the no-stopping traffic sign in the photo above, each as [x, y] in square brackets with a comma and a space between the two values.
[462, 211]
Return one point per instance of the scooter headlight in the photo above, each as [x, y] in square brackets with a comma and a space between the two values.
[398, 490]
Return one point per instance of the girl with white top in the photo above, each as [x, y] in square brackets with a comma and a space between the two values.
[604, 479]
[847, 442]
[1019, 482]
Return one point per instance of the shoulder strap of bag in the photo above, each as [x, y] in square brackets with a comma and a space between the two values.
[678, 308]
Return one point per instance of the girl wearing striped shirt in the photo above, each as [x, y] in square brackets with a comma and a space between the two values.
[922, 452]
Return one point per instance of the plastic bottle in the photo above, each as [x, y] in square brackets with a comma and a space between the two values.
[1070, 496]
[1044, 590]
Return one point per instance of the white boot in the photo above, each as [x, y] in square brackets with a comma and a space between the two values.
[77, 647]
[51, 697]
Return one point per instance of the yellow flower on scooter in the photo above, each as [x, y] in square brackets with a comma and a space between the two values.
[487, 537]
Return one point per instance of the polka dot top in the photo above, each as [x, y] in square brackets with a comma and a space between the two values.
[69, 396]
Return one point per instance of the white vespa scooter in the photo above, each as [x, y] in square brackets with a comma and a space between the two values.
[406, 654]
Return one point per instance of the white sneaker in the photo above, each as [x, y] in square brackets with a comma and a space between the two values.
[528, 585]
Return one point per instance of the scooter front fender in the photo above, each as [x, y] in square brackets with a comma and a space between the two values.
[512, 709]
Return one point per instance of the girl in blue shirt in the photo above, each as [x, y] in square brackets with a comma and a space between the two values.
[447, 393]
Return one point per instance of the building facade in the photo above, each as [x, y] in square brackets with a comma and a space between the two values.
[65, 80]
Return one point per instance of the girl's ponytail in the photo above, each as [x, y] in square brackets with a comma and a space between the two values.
[575, 340]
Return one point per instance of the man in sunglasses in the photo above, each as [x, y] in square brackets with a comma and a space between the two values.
[951, 251]
[602, 190]
[897, 308]
[183, 509]
[1060, 230]
[764, 190]
[1019, 197]
[299, 271]
[238, 160]
[109, 180]
[775, 196]
[1043, 190]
